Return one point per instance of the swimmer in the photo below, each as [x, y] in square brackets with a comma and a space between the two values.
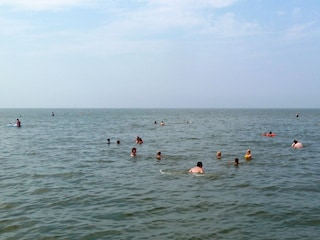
[18, 123]
[161, 123]
[248, 155]
[296, 144]
[235, 162]
[271, 134]
[139, 140]
[219, 155]
[108, 141]
[197, 169]
[118, 141]
[297, 115]
[159, 156]
[133, 152]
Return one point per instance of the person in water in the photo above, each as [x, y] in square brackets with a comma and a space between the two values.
[18, 123]
[248, 155]
[139, 140]
[296, 144]
[219, 155]
[161, 123]
[133, 152]
[108, 141]
[197, 169]
[159, 156]
[235, 162]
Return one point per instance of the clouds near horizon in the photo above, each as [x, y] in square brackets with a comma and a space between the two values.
[205, 53]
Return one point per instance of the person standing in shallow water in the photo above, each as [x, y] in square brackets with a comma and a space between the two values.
[197, 169]
[18, 123]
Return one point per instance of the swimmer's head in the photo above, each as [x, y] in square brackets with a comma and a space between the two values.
[295, 141]
[199, 164]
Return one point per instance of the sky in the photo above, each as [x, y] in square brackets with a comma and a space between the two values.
[159, 54]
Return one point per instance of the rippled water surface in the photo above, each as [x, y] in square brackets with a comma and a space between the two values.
[59, 179]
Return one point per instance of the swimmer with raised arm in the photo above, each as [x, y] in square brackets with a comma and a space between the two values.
[197, 169]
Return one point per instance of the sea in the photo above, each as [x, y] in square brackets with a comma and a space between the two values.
[59, 179]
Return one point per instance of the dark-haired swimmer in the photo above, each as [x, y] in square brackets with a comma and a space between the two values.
[133, 152]
[296, 144]
[235, 162]
[139, 140]
[159, 156]
[197, 169]
[219, 155]
[18, 123]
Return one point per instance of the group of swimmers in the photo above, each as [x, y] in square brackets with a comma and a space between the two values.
[199, 167]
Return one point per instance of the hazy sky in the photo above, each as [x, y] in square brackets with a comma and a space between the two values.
[160, 53]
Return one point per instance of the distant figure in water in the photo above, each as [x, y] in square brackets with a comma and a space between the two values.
[197, 169]
[219, 155]
[235, 162]
[139, 140]
[297, 115]
[270, 134]
[18, 123]
[159, 156]
[133, 152]
[108, 141]
[248, 155]
[52, 114]
[161, 123]
[155, 122]
[118, 141]
[296, 144]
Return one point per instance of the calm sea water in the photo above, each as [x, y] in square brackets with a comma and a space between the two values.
[60, 180]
